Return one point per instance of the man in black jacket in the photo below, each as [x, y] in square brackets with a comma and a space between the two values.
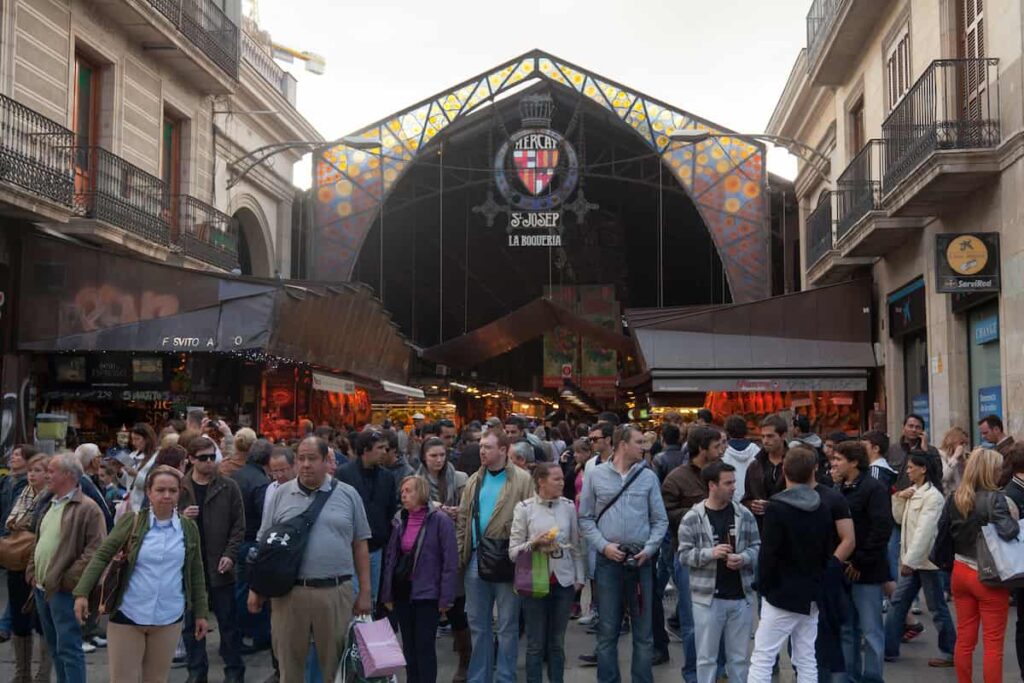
[252, 481]
[376, 486]
[868, 568]
[673, 456]
[796, 543]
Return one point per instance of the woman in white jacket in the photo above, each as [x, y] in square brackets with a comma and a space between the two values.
[547, 524]
[917, 509]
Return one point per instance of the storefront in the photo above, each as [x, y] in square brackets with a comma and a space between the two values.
[114, 339]
[908, 328]
[984, 362]
[809, 353]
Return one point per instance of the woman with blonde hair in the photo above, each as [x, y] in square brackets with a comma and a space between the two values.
[954, 452]
[976, 503]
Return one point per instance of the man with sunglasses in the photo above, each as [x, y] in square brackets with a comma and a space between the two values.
[215, 503]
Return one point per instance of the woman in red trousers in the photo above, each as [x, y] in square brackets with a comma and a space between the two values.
[976, 503]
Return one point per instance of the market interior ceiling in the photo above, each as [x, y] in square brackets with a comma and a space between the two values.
[440, 285]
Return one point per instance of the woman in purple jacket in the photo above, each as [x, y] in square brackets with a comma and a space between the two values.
[418, 582]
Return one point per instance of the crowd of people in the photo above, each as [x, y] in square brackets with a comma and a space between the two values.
[494, 533]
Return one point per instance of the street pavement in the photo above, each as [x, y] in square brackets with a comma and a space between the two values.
[912, 665]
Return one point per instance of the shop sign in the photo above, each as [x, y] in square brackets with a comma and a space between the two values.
[967, 262]
[337, 385]
[986, 330]
[907, 309]
[111, 369]
[990, 401]
[919, 406]
[536, 171]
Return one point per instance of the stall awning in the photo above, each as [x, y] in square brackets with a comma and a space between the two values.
[819, 339]
[516, 328]
[402, 390]
[76, 298]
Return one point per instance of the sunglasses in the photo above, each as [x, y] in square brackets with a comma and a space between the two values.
[205, 457]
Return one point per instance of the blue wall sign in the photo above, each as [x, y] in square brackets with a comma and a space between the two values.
[919, 405]
[986, 330]
[990, 401]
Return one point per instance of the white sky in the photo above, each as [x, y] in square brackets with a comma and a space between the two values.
[724, 60]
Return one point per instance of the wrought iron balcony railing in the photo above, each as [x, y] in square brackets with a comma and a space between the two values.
[205, 233]
[110, 189]
[953, 105]
[35, 152]
[819, 230]
[820, 18]
[263, 62]
[207, 27]
[859, 188]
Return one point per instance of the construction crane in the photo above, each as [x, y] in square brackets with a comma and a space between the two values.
[314, 63]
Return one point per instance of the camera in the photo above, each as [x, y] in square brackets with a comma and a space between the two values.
[631, 550]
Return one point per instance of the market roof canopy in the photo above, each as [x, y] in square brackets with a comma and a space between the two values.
[816, 339]
[85, 299]
[518, 327]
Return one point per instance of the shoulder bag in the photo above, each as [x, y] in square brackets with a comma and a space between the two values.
[492, 561]
[16, 549]
[1000, 563]
[115, 577]
[279, 555]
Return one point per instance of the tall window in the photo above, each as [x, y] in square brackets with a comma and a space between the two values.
[897, 67]
[857, 127]
[170, 165]
[85, 115]
[972, 47]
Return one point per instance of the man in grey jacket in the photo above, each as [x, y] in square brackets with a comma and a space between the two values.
[718, 540]
[626, 527]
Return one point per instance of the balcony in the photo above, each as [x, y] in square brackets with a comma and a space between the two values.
[123, 203]
[819, 230]
[194, 37]
[263, 64]
[863, 227]
[940, 139]
[837, 31]
[825, 264]
[206, 234]
[36, 177]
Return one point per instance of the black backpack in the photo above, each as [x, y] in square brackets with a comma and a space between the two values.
[279, 554]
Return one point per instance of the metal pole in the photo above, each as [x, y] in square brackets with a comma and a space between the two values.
[380, 165]
[440, 246]
[661, 254]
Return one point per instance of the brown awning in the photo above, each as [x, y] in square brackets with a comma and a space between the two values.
[517, 328]
[77, 298]
[817, 339]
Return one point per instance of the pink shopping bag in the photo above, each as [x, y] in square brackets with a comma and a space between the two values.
[378, 649]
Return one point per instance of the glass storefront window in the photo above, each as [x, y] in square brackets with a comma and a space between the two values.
[915, 375]
[985, 367]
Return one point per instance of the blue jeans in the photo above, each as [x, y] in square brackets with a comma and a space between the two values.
[685, 609]
[5, 620]
[723, 622]
[376, 557]
[546, 620]
[481, 599]
[864, 620]
[906, 590]
[618, 583]
[892, 553]
[255, 626]
[63, 635]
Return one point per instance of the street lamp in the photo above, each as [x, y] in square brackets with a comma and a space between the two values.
[368, 146]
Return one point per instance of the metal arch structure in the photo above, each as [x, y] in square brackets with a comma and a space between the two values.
[724, 176]
[244, 165]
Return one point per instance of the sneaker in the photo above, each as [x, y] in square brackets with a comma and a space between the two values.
[88, 647]
[575, 611]
[674, 634]
[178, 662]
[911, 632]
[660, 658]
[940, 663]
[588, 660]
[591, 617]
[99, 641]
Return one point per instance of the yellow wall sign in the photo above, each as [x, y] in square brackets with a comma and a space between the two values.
[967, 255]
